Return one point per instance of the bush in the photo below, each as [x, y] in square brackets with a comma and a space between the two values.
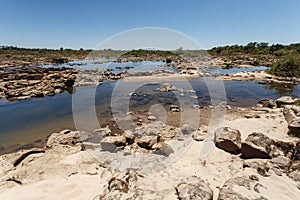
[288, 66]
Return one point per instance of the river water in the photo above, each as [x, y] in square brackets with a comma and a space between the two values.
[28, 123]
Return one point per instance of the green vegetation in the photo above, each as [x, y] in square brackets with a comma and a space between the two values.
[284, 60]
[141, 53]
[287, 66]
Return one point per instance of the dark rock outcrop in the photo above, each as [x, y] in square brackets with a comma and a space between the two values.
[257, 145]
[228, 139]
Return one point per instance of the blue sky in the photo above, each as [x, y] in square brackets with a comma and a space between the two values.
[76, 24]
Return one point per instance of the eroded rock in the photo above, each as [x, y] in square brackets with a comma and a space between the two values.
[257, 145]
[228, 139]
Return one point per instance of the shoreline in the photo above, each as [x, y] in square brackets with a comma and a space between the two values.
[65, 151]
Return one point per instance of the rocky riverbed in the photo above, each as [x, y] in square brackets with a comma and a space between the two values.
[253, 157]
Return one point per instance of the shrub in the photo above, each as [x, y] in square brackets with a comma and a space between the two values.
[288, 66]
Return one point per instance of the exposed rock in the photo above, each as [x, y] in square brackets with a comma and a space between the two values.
[291, 112]
[297, 151]
[285, 100]
[168, 88]
[260, 166]
[194, 188]
[241, 188]
[228, 139]
[26, 154]
[111, 143]
[65, 137]
[186, 129]
[294, 171]
[175, 108]
[267, 103]
[146, 142]
[280, 164]
[151, 118]
[257, 145]
[292, 116]
[162, 149]
[199, 135]
[129, 137]
[294, 127]
[285, 147]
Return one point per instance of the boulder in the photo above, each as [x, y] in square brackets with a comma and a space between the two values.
[65, 137]
[257, 145]
[194, 188]
[129, 137]
[228, 139]
[285, 100]
[294, 127]
[284, 147]
[297, 151]
[241, 188]
[280, 164]
[291, 112]
[175, 108]
[146, 142]
[162, 149]
[294, 171]
[111, 143]
[199, 135]
[267, 103]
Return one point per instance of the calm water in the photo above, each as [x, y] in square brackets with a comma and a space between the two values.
[236, 69]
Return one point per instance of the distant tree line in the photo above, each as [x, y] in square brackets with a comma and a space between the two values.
[287, 56]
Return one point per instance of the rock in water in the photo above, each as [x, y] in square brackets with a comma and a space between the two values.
[228, 139]
[257, 145]
[194, 188]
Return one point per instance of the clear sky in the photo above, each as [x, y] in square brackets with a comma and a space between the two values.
[85, 23]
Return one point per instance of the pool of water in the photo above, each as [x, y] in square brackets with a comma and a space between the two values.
[236, 69]
[142, 66]
[28, 123]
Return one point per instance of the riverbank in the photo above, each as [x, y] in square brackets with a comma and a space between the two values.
[66, 167]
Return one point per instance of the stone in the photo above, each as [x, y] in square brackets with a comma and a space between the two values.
[294, 127]
[228, 139]
[146, 142]
[294, 171]
[175, 108]
[280, 164]
[129, 137]
[194, 188]
[285, 100]
[199, 135]
[257, 145]
[162, 149]
[284, 147]
[151, 118]
[267, 103]
[65, 137]
[241, 188]
[111, 143]
[186, 129]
